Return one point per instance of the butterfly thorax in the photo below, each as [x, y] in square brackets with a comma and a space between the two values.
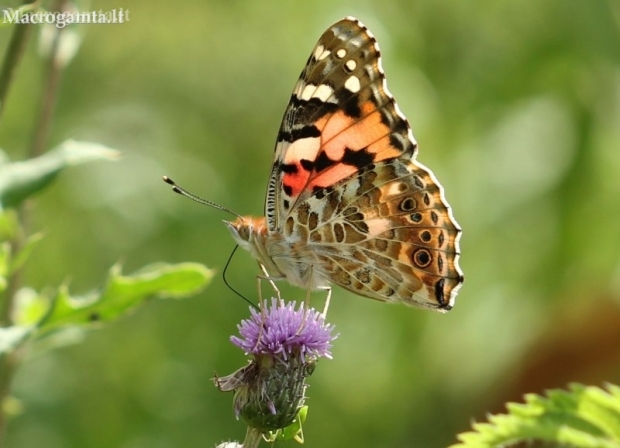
[281, 257]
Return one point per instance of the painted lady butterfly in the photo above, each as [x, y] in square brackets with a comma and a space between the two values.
[347, 203]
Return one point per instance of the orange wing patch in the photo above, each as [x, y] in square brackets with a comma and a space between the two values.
[349, 144]
[339, 131]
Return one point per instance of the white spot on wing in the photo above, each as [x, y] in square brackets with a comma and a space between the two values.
[318, 51]
[352, 84]
[307, 92]
[341, 53]
[324, 93]
[304, 148]
[351, 64]
[323, 55]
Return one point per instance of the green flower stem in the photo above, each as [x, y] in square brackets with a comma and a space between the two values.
[252, 438]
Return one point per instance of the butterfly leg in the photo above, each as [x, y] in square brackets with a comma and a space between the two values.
[327, 299]
[270, 279]
[328, 289]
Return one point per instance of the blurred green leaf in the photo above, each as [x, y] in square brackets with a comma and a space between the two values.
[122, 294]
[580, 417]
[29, 306]
[11, 337]
[19, 180]
[22, 256]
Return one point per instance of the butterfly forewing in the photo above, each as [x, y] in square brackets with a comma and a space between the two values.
[340, 118]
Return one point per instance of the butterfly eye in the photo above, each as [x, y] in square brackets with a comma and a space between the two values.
[244, 231]
[240, 229]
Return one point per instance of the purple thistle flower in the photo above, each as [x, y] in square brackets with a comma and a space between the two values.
[285, 343]
[281, 330]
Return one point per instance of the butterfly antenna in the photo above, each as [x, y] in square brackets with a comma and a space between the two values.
[228, 284]
[183, 192]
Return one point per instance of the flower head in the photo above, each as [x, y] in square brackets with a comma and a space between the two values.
[281, 330]
[285, 343]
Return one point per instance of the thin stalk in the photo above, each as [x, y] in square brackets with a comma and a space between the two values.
[50, 92]
[253, 438]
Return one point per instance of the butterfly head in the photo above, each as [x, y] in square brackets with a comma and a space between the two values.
[248, 232]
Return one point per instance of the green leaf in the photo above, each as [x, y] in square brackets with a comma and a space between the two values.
[22, 256]
[11, 337]
[19, 180]
[580, 417]
[29, 307]
[122, 294]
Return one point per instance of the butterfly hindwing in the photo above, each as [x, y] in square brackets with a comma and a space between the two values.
[384, 233]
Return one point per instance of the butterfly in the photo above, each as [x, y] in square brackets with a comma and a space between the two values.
[347, 202]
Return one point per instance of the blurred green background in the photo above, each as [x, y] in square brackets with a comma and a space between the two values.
[516, 106]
